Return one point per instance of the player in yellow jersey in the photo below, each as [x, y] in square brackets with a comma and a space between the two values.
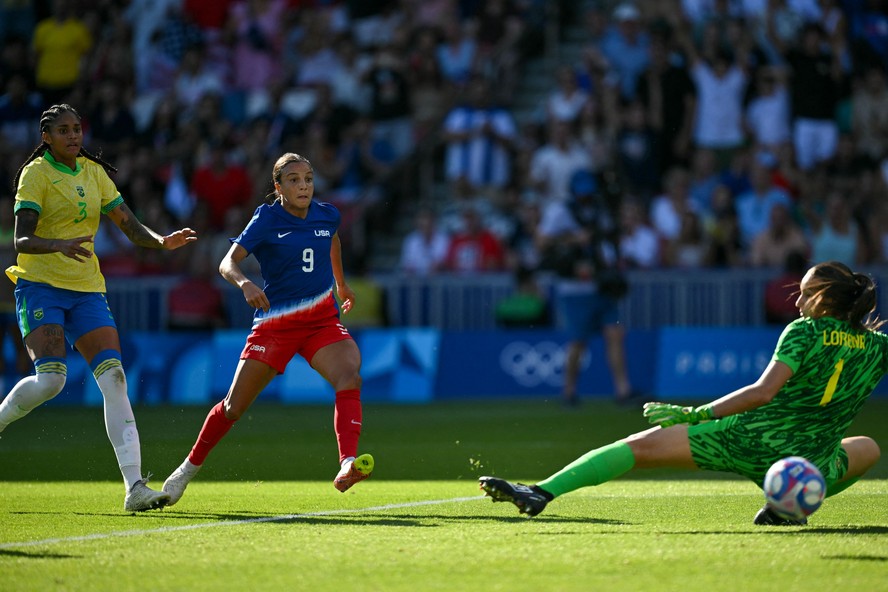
[61, 192]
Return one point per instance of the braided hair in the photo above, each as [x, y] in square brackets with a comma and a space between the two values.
[278, 170]
[46, 120]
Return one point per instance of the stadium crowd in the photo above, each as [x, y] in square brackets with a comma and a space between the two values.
[727, 132]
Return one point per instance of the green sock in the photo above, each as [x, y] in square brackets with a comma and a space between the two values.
[841, 486]
[593, 468]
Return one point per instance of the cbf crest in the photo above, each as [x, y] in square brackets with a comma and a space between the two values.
[80, 191]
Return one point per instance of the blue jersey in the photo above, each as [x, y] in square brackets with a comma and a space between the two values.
[294, 256]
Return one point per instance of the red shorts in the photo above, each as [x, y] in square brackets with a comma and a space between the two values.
[276, 345]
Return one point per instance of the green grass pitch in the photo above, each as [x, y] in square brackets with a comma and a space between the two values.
[263, 513]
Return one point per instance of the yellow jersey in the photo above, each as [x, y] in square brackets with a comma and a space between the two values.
[69, 204]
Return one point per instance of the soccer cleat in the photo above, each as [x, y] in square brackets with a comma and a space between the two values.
[140, 497]
[527, 500]
[353, 471]
[176, 483]
[768, 517]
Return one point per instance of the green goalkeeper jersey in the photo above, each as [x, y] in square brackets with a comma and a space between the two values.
[835, 368]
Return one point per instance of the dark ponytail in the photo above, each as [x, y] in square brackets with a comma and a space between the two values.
[838, 292]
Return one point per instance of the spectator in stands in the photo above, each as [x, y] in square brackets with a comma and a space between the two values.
[668, 92]
[869, 113]
[638, 152]
[345, 80]
[391, 102]
[19, 115]
[836, 235]
[15, 62]
[527, 307]
[639, 243]
[196, 302]
[221, 184]
[596, 132]
[690, 248]
[195, 79]
[626, 48]
[721, 85]
[783, 236]
[457, 53]
[768, 115]
[567, 100]
[318, 59]
[429, 89]
[474, 248]
[424, 249]
[522, 250]
[553, 164]
[364, 159]
[815, 87]
[704, 177]
[781, 291]
[111, 124]
[480, 137]
[256, 28]
[754, 206]
[499, 30]
[871, 28]
[668, 208]
[723, 227]
[61, 44]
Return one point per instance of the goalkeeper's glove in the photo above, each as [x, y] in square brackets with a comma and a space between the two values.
[665, 415]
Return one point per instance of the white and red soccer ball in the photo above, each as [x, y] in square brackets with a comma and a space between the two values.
[794, 488]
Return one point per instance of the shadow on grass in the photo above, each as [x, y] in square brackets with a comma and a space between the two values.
[791, 530]
[857, 557]
[36, 555]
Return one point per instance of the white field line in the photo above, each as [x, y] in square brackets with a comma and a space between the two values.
[281, 518]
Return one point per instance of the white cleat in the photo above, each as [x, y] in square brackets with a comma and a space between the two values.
[140, 497]
[176, 483]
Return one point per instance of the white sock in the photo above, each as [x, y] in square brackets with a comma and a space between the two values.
[28, 394]
[120, 424]
[189, 468]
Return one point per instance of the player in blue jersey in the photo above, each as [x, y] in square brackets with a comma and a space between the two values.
[295, 240]
[61, 193]
[824, 368]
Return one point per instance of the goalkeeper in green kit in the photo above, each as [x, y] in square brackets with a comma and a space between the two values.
[825, 366]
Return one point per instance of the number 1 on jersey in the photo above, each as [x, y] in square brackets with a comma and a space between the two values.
[830, 389]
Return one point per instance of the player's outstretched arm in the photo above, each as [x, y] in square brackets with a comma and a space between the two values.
[749, 397]
[141, 235]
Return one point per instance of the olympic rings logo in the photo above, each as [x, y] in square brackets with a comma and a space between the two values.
[535, 364]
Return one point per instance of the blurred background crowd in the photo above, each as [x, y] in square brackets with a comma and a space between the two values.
[459, 136]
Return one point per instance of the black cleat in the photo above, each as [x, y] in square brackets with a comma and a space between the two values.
[527, 500]
[768, 517]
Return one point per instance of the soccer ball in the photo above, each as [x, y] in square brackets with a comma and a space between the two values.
[794, 488]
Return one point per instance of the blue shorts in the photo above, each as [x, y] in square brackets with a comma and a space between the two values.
[586, 313]
[78, 313]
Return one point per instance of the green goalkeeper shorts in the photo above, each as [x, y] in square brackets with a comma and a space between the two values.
[726, 445]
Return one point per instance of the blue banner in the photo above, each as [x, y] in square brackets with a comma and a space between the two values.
[531, 363]
[422, 364]
[710, 362]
